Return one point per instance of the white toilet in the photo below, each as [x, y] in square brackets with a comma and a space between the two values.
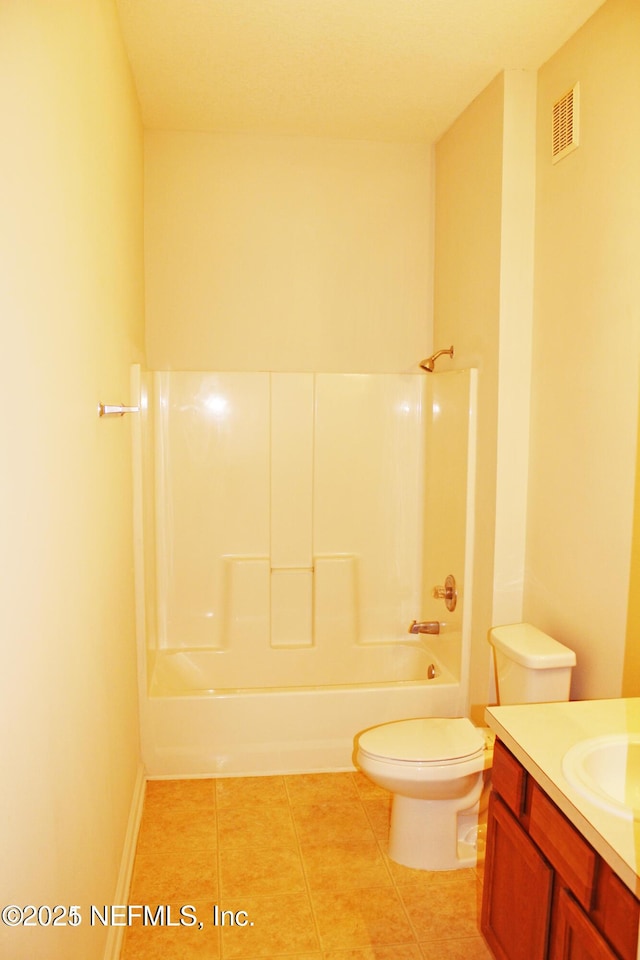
[434, 766]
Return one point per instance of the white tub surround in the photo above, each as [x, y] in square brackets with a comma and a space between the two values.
[289, 527]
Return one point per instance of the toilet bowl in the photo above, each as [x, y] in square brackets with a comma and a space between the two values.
[437, 768]
[433, 767]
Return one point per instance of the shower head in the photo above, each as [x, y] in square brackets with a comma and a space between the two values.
[429, 363]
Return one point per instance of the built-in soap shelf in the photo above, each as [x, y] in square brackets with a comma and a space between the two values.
[291, 606]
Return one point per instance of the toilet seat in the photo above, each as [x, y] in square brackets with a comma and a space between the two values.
[426, 741]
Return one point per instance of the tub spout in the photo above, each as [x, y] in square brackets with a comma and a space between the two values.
[425, 626]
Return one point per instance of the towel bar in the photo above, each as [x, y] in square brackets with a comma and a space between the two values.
[115, 410]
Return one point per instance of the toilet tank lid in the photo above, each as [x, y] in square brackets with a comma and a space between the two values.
[530, 647]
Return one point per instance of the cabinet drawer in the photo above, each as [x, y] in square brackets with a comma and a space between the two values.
[565, 848]
[509, 778]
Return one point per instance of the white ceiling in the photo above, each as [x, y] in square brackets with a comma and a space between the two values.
[361, 69]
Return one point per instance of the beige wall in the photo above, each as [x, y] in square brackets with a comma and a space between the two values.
[467, 314]
[585, 351]
[514, 354]
[561, 314]
[71, 315]
[287, 254]
[631, 673]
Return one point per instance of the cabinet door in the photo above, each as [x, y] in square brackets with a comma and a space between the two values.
[616, 913]
[575, 937]
[516, 902]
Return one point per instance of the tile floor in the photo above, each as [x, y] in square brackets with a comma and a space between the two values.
[300, 863]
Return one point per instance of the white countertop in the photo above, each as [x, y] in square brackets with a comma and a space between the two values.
[539, 735]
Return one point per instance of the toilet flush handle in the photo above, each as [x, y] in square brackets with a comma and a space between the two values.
[447, 593]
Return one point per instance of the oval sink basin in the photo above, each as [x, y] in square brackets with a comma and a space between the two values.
[606, 771]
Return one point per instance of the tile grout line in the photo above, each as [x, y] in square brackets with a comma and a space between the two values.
[218, 859]
[304, 871]
[385, 857]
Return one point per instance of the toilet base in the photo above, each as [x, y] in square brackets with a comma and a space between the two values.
[424, 833]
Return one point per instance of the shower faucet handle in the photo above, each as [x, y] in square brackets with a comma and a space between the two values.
[447, 593]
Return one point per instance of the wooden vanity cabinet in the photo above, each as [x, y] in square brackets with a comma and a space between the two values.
[547, 894]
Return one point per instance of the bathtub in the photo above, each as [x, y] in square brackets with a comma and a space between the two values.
[271, 626]
[193, 724]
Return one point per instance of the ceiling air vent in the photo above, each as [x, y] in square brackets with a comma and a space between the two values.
[565, 124]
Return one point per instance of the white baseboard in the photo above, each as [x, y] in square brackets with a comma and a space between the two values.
[115, 934]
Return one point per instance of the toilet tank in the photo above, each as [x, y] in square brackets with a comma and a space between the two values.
[531, 667]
